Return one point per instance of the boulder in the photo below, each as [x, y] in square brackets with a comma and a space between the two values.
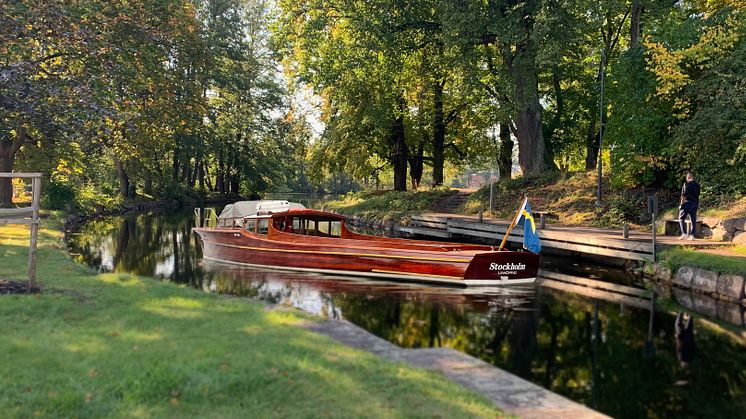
[739, 237]
[729, 312]
[704, 281]
[704, 232]
[710, 222]
[683, 277]
[731, 287]
[734, 224]
[684, 298]
[704, 305]
[721, 235]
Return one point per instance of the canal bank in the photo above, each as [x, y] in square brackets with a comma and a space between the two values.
[122, 345]
[582, 344]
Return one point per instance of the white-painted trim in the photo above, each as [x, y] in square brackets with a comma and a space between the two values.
[401, 277]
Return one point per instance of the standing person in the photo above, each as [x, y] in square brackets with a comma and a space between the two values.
[689, 205]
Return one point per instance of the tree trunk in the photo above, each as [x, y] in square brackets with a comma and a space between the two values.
[533, 155]
[8, 151]
[634, 23]
[439, 135]
[6, 165]
[591, 144]
[400, 152]
[505, 155]
[201, 175]
[147, 184]
[124, 180]
[416, 164]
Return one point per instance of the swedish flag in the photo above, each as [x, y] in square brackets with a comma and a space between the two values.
[531, 240]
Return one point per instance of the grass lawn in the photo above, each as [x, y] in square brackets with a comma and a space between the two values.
[117, 345]
[389, 205]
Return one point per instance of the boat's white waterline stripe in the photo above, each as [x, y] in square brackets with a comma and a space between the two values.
[313, 252]
[392, 275]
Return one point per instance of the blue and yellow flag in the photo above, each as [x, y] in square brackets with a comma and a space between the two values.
[531, 240]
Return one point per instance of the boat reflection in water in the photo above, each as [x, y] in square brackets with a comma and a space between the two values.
[588, 350]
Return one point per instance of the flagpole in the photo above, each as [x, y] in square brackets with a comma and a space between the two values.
[512, 223]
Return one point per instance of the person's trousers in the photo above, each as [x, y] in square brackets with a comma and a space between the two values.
[691, 211]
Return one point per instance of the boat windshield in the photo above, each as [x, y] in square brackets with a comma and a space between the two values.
[310, 225]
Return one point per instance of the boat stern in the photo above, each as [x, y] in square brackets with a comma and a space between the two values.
[503, 267]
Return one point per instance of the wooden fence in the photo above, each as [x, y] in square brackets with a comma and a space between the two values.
[26, 215]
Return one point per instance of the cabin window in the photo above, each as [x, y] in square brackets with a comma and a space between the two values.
[250, 225]
[324, 227]
[335, 229]
[263, 226]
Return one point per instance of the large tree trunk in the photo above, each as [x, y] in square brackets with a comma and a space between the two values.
[591, 144]
[439, 135]
[505, 155]
[399, 150]
[124, 180]
[534, 157]
[220, 175]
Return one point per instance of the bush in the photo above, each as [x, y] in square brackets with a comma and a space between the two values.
[58, 196]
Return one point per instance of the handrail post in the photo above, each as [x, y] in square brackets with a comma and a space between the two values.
[35, 200]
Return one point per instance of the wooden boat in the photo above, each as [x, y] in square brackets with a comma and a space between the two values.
[283, 235]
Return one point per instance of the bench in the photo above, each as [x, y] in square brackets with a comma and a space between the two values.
[671, 227]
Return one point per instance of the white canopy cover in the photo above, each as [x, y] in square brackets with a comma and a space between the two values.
[243, 209]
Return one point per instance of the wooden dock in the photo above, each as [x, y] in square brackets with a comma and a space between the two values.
[582, 240]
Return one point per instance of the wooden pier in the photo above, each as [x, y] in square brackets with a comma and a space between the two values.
[583, 240]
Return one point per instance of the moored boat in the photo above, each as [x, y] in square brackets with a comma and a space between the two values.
[284, 235]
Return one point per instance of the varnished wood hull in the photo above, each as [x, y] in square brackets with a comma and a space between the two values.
[398, 259]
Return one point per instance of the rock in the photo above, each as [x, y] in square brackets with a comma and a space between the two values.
[734, 224]
[704, 232]
[731, 287]
[683, 277]
[661, 272]
[721, 235]
[684, 298]
[704, 305]
[704, 281]
[711, 222]
[729, 312]
[739, 237]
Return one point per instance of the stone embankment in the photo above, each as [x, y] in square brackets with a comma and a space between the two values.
[717, 295]
[732, 229]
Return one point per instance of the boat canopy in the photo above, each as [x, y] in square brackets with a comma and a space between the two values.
[242, 209]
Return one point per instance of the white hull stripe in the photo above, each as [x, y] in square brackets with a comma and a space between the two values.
[392, 275]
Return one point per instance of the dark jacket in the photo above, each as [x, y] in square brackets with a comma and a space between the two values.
[690, 193]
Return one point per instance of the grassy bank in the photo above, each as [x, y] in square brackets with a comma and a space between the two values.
[675, 258]
[389, 205]
[117, 345]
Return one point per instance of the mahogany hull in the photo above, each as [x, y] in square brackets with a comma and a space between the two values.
[398, 259]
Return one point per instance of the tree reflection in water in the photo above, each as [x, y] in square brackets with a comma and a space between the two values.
[590, 351]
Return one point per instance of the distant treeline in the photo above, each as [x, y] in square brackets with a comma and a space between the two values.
[112, 99]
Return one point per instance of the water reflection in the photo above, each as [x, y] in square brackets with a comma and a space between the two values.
[588, 350]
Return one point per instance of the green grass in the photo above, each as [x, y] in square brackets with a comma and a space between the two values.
[388, 205]
[118, 345]
[679, 256]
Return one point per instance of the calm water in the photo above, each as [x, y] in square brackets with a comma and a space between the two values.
[588, 350]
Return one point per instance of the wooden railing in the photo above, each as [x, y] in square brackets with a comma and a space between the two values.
[27, 215]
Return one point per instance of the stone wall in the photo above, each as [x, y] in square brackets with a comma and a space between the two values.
[720, 296]
[732, 229]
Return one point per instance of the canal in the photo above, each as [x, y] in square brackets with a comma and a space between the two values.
[588, 350]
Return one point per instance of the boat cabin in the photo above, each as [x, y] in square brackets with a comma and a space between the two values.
[277, 217]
